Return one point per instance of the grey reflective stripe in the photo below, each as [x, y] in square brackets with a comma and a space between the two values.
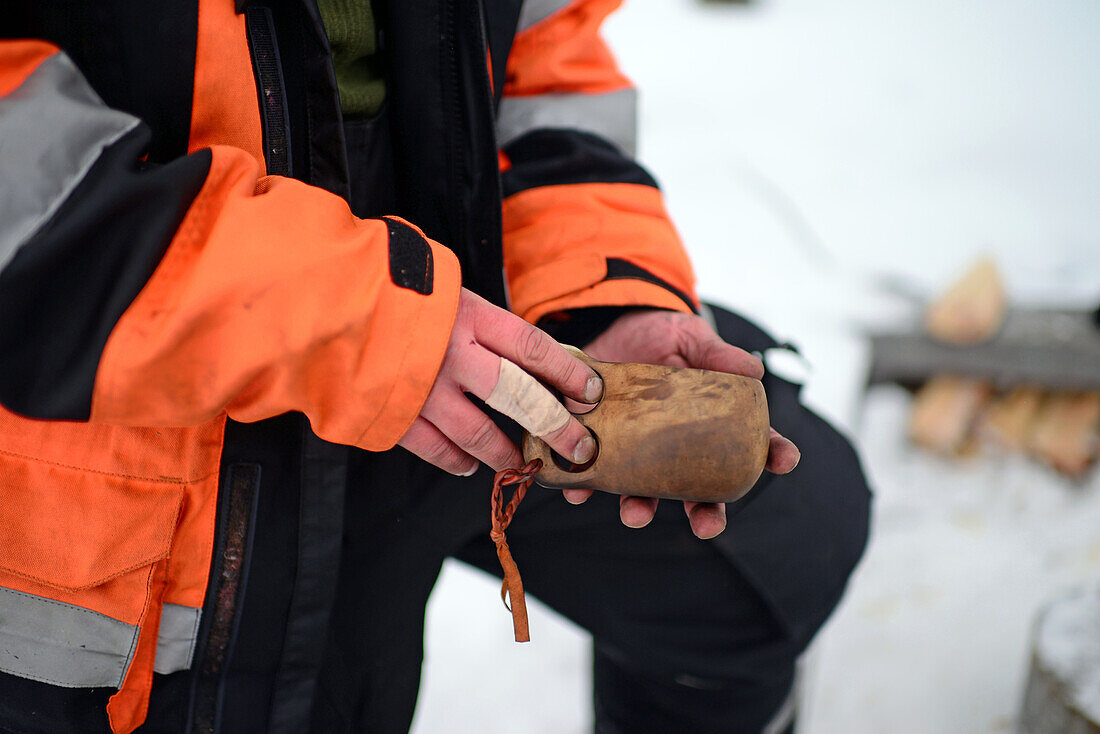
[53, 127]
[535, 10]
[63, 644]
[610, 115]
[179, 629]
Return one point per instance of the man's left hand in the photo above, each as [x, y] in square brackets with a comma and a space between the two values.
[679, 340]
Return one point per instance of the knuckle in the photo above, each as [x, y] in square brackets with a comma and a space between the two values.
[494, 320]
[570, 375]
[534, 346]
[481, 436]
[684, 339]
[443, 452]
[435, 449]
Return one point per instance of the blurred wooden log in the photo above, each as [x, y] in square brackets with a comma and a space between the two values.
[1063, 687]
[1067, 431]
[970, 311]
[945, 410]
[1010, 419]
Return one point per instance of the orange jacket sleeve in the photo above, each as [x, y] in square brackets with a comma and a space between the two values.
[165, 295]
[584, 224]
[272, 297]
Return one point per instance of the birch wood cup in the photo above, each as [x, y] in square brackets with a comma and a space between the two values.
[668, 432]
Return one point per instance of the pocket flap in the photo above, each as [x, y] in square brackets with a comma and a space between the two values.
[74, 528]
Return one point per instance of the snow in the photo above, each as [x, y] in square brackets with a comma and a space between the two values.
[823, 159]
[935, 632]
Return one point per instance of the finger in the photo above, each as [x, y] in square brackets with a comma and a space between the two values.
[429, 443]
[637, 512]
[537, 353]
[574, 438]
[577, 408]
[704, 349]
[707, 519]
[783, 455]
[473, 432]
[576, 496]
[522, 398]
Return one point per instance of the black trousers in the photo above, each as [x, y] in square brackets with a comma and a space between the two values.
[682, 642]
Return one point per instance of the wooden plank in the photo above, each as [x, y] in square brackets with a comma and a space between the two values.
[1058, 349]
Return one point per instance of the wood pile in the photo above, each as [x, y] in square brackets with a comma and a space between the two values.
[956, 415]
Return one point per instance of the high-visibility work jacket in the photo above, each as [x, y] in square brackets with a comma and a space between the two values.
[176, 252]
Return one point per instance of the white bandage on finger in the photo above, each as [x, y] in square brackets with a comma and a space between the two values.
[520, 397]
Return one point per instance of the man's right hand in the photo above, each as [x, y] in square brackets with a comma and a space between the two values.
[454, 434]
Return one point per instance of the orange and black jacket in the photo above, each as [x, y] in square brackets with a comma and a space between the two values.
[177, 255]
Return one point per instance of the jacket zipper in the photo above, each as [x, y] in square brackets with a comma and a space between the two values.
[228, 578]
[478, 246]
[457, 130]
[267, 68]
[239, 491]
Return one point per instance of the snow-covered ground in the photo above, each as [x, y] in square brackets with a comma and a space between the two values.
[817, 156]
[935, 632]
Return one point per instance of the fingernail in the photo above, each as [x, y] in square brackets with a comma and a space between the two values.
[700, 513]
[573, 501]
[471, 471]
[584, 450]
[593, 389]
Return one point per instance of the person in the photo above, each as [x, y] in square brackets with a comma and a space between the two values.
[255, 260]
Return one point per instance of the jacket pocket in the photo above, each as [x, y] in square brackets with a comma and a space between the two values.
[78, 546]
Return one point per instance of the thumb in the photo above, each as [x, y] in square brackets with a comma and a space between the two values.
[702, 348]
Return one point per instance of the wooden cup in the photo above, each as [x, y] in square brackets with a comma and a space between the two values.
[669, 432]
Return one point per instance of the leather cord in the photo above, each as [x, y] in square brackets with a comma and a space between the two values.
[512, 588]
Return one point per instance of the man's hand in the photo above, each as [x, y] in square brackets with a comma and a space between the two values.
[490, 355]
[679, 340]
